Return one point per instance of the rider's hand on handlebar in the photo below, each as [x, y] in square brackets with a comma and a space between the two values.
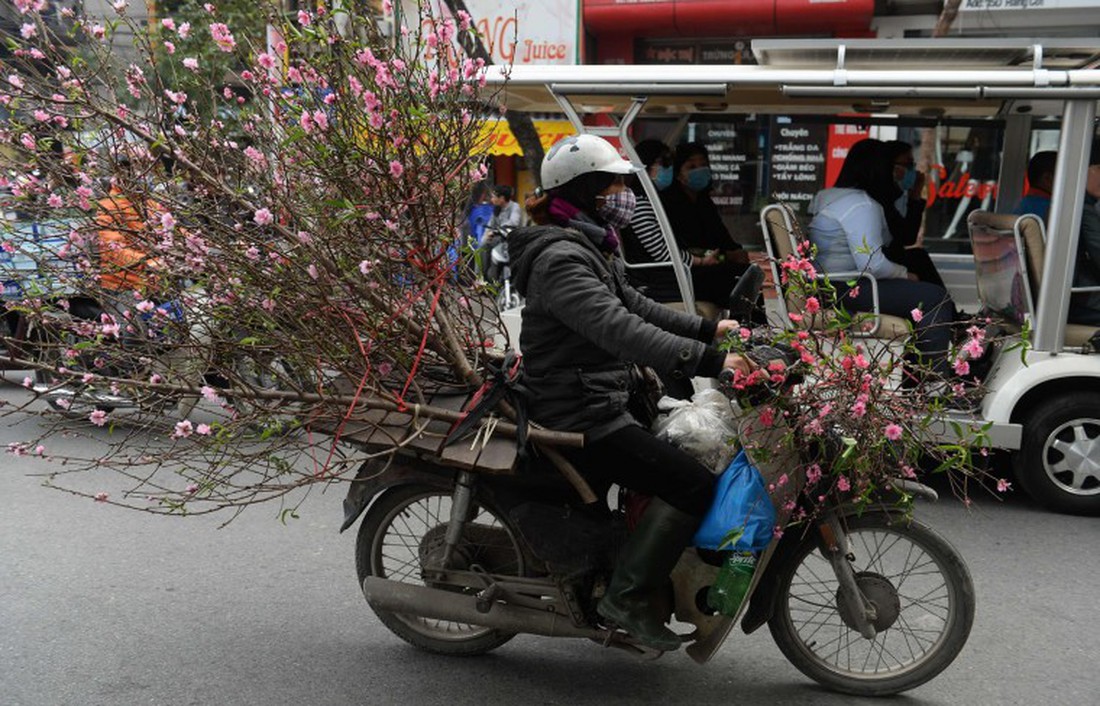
[725, 326]
[739, 363]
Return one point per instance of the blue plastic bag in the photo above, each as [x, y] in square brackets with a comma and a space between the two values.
[740, 503]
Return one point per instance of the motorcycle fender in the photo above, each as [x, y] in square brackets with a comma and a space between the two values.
[377, 475]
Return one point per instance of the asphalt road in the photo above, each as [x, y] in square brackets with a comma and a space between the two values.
[105, 606]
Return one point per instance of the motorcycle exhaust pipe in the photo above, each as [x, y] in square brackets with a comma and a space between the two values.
[91, 398]
[424, 602]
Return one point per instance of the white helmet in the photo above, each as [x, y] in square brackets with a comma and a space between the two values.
[572, 156]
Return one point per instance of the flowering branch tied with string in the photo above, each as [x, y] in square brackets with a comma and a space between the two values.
[231, 269]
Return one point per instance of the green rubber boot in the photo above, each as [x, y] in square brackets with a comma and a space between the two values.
[644, 564]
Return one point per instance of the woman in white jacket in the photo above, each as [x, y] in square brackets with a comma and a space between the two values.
[849, 229]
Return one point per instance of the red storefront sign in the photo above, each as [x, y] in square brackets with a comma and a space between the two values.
[718, 17]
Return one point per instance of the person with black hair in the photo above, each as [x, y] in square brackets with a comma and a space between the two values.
[849, 230]
[1040, 184]
[506, 216]
[643, 242]
[583, 327]
[1084, 307]
[695, 220]
[904, 210]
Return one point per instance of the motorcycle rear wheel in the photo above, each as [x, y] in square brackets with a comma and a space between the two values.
[920, 586]
[403, 533]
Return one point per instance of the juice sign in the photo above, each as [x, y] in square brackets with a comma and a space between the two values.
[524, 32]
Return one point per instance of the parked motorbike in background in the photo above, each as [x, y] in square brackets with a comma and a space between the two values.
[866, 602]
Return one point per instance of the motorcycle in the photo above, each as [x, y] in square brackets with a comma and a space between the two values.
[169, 336]
[458, 562]
[500, 272]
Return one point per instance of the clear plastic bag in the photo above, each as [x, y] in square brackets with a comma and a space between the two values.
[704, 427]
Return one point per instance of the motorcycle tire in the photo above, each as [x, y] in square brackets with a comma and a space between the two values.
[920, 630]
[423, 513]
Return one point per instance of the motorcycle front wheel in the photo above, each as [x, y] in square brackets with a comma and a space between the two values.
[403, 534]
[922, 593]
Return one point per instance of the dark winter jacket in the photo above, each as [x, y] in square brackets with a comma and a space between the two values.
[582, 326]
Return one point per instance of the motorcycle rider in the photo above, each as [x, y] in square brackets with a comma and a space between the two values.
[506, 215]
[583, 324]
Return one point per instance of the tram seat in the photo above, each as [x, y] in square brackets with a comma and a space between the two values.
[991, 234]
[783, 235]
[708, 310]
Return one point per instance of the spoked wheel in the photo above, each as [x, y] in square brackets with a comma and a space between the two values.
[403, 535]
[922, 593]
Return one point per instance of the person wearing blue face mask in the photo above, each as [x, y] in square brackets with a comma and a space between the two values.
[643, 241]
[904, 210]
[694, 217]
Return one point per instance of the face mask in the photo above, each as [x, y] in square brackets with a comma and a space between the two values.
[663, 179]
[909, 179]
[698, 179]
[616, 209]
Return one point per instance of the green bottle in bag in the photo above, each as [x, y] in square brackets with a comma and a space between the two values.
[734, 579]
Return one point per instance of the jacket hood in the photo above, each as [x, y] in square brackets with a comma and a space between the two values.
[526, 244]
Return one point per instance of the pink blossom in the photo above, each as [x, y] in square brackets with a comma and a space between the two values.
[916, 314]
[101, 497]
[222, 37]
[28, 382]
[191, 488]
[169, 47]
[320, 119]
[812, 305]
[184, 30]
[795, 317]
[266, 60]
[305, 237]
[366, 266]
[156, 379]
[203, 430]
[54, 201]
[25, 6]
[28, 30]
[767, 416]
[263, 217]
[893, 432]
[312, 270]
[169, 24]
[962, 367]
[191, 63]
[306, 121]
[304, 18]
[28, 141]
[167, 221]
[119, 6]
[40, 450]
[98, 417]
[1003, 485]
[15, 80]
[183, 429]
[813, 474]
[396, 169]
[98, 31]
[842, 484]
[974, 348]
[210, 394]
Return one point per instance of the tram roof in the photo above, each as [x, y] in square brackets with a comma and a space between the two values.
[926, 77]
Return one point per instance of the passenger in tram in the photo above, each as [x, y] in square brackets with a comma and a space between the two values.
[1084, 308]
[643, 242]
[849, 229]
[904, 208]
[691, 212]
[1040, 184]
